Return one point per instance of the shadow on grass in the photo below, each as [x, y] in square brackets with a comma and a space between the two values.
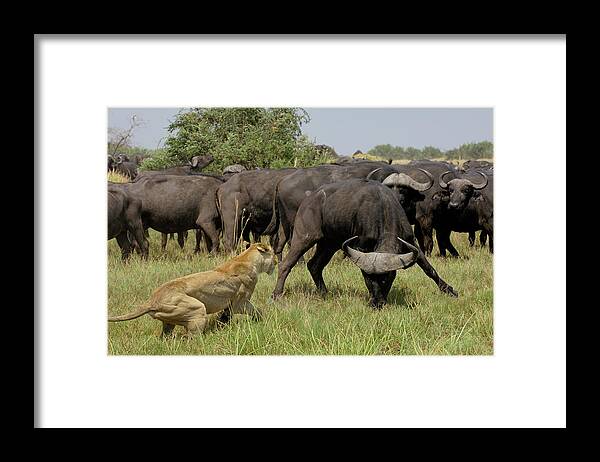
[397, 298]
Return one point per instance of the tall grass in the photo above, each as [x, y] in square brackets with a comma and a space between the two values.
[418, 319]
[116, 177]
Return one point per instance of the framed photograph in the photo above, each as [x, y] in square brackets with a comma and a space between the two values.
[313, 242]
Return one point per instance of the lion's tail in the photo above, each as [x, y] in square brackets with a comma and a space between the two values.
[136, 314]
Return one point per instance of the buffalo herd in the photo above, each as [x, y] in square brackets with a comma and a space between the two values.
[381, 215]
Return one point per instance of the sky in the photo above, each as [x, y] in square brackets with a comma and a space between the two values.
[348, 129]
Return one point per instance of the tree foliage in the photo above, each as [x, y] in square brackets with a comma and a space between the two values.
[252, 137]
[481, 150]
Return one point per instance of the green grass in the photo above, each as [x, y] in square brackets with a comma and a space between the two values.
[418, 319]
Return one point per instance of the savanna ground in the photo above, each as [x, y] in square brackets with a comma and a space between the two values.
[417, 320]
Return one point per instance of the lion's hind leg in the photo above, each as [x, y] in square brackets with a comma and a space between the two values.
[185, 311]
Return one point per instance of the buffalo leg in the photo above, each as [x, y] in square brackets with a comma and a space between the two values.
[163, 241]
[490, 232]
[483, 237]
[308, 233]
[298, 248]
[419, 236]
[280, 242]
[426, 230]
[181, 237]
[316, 264]
[274, 241]
[198, 240]
[211, 236]
[136, 229]
[443, 238]
[471, 238]
[432, 273]
[124, 245]
[142, 243]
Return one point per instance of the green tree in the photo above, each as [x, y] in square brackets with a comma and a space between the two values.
[430, 152]
[412, 153]
[252, 137]
[481, 150]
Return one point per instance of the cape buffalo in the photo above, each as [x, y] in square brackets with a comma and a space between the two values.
[125, 167]
[245, 203]
[292, 189]
[125, 219]
[468, 206]
[177, 203]
[194, 166]
[199, 162]
[181, 170]
[368, 215]
[477, 164]
[429, 210]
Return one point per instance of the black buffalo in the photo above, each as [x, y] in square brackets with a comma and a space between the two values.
[429, 208]
[292, 189]
[367, 215]
[125, 167]
[477, 164]
[245, 203]
[125, 219]
[195, 165]
[177, 203]
[467, 205]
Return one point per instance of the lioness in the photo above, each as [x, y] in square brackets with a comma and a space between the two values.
[187, 301]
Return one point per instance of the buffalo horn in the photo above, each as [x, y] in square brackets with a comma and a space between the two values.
[443, 184]
[482, 185]
[371, 173]
[378, 262]
[402, 179]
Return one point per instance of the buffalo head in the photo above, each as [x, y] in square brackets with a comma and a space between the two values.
[199, 162]
[461, 190]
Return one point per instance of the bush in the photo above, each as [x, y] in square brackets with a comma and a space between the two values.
[252, 137]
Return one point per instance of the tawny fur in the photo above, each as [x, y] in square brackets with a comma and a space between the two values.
[187, 301]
